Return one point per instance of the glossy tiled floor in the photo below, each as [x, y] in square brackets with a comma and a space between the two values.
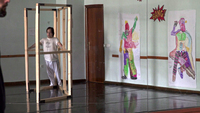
[99, 98]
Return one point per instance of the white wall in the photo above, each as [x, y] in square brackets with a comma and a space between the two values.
[78, 37]
[61, 1]
[112, 9]
[12, 38]
[78, 64]
[153, 72]
[158, 38]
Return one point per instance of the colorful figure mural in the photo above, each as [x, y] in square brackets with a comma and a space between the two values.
[181, 48]
[182, 53]
[129, 41]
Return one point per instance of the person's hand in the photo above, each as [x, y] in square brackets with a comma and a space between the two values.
[29, 48]
[120, 49]
[173, 78]
[136, 18]
[63, 49]
[175, 23]
[187, 48]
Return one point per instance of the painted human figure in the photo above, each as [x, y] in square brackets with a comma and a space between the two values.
[129, 44]
[182, 54]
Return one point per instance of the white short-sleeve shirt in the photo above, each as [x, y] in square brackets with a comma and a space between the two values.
[49, 45]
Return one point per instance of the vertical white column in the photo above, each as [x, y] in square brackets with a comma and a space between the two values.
[70, 49]
[37, 51]
[26, 49]
[64, 45]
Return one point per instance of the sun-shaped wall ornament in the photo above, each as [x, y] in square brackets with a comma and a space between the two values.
[158, 13]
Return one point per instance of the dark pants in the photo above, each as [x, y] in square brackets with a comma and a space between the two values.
[2, 93]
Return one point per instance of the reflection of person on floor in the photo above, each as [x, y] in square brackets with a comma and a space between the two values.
[182, 54]
[54, 105]
[129, 44]
[130, 104]
[52, 63]
[178, 104]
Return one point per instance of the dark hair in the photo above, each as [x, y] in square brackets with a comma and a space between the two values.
[52, 30]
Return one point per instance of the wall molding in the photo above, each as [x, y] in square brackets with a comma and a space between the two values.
[19, 55]
[113, 55]
[109, 82]
[154, 87]
[41, 81]
[151, 57]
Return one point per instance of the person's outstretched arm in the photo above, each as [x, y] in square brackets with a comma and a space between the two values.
[33, 46]
[173, 32]
[134, 25]
[61, 46]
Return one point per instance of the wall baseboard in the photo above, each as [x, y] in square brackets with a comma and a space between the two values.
[154, 87]
[115, 83]
[41, 81]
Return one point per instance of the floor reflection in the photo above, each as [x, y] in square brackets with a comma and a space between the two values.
[55, 105]
[129, 100]
[98, 98]
[176, 103]
[95, 94]
[50, 107]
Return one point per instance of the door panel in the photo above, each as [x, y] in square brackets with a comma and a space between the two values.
[94, 41]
